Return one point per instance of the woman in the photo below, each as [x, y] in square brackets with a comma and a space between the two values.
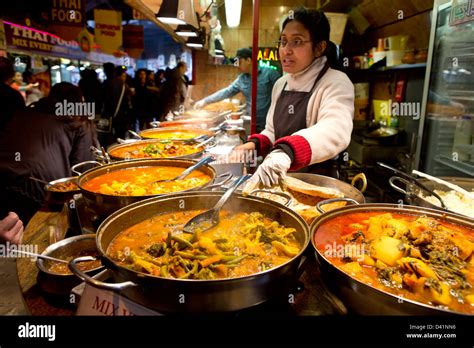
[309, 121]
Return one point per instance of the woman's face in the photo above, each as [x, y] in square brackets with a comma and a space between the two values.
[142, 77]
[18, 78]
[298, 53]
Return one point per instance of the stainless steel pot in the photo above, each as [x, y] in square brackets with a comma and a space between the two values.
[60, 197]
[364, 298]
[348, 190]
[61, 284]
[104, 204]
[184, 295]
[195, 155]
[148, 133]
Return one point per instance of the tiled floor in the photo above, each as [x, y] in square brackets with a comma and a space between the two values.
[10, 297]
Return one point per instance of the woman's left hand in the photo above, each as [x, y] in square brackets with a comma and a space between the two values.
[271, 171]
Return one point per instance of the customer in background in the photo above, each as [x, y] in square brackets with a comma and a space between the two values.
[145, 100]
[174, 90]
[265, 81]
[20, 86]
[10, 99]
[35, 93]
[91, 88]
[116, 115]
[42, 144]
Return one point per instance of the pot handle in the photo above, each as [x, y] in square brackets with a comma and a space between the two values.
[97, 283]
[155, 124]
[392, 181]
[289, 199]
[334, 200]
[74, 167]
[135, 134]
[361, 177]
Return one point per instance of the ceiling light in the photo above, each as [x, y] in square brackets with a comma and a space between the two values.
[186, 31]
[233, 9]
[177, 12]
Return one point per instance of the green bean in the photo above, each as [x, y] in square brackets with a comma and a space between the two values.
[183, 242]
[164, 271]
[188, 274]
[191, 256]
[236, 259]
[183, 263]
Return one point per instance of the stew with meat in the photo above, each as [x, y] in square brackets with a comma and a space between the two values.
[414, 257]
[240, 245]
[141, 181]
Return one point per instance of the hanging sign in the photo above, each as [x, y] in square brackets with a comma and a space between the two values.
[108, 30]
[66, 17]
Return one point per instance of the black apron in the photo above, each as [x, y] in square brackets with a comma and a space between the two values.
[290, 116]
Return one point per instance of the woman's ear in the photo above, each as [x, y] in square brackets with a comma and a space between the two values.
[320, 48]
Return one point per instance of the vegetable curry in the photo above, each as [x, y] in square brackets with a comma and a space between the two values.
[181, 135]
[414, 257]
[241, 244]
[158, 149]
[140, 181]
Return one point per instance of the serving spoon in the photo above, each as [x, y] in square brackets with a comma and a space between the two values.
[210, 218]
[185, 173]
[37, 255]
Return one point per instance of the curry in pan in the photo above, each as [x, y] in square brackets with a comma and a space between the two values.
[158, 149]
[240, 245]
[413, 257]
[141, 181]
[172, 135]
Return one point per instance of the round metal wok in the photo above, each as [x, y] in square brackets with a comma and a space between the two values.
[104, 204]
[60, 197]
[194, 155]
[366, 299]
[148, 133]
[184, 295]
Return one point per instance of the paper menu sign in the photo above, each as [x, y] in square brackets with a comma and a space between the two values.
[100, 302]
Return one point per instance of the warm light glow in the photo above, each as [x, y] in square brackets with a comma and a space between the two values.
[233, 9]
[171, 21]
[28, 28]
[194, 45]
[187, 33]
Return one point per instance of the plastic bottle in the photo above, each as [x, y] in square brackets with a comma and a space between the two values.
[462, 136]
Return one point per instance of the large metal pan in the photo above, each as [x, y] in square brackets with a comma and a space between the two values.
[348, 190]
[152, 133]
[104, 204]
[110, 149]
[414, 192]
[364, 298]
[185, 295]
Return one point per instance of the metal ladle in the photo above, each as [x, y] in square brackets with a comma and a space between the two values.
[210, 218]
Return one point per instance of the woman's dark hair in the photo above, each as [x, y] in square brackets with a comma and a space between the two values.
[60, 92]
[318, 27]
[137, 82]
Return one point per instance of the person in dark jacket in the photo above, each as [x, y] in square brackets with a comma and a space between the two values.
[40, 143]
[10, 99]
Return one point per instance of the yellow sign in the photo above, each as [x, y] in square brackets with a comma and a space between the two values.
[108, 30]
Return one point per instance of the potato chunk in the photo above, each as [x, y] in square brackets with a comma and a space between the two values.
[387, 249]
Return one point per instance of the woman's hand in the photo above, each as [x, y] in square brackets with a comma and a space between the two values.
[271, 172]
[11, 229]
